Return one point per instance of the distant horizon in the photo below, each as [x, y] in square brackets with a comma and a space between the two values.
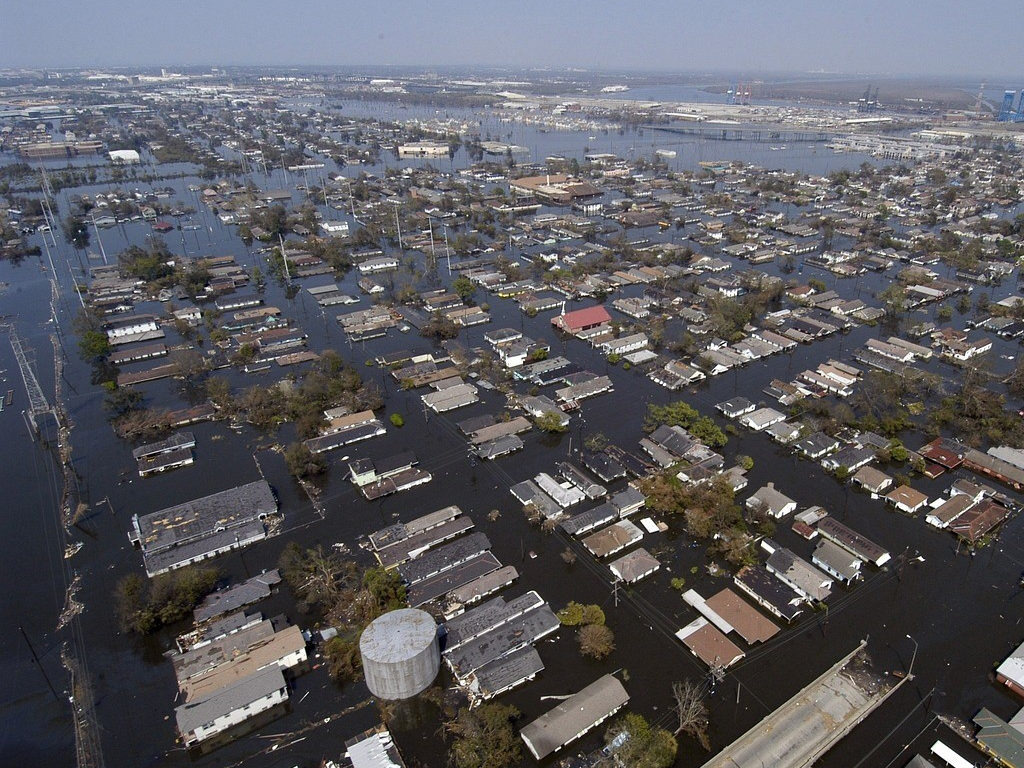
[871, 38]
[952, 79]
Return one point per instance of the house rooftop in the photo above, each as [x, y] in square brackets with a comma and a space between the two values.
[174, 526]
[243, 692]
[574, 716]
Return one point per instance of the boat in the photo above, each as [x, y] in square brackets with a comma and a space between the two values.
[71, 549]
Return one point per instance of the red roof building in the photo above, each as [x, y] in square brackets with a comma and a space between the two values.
[945, 452]
[582, 319]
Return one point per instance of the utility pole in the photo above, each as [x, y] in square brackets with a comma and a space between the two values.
[447, 251]
[398, 226]
[433, 256]
[39, 664]
[913, 658]
[284, 258]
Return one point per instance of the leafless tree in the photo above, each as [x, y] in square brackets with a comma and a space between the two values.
[596, 641]
[692, 711]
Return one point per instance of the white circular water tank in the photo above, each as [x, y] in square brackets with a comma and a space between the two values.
[400, 652]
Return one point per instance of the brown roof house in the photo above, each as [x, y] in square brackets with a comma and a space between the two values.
[906, 499]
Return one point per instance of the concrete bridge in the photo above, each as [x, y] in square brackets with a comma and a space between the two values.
[720, 132]
[804, 728]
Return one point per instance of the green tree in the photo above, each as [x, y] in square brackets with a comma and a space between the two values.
[122, 401]
[551, 422]
[894, 299]
[485, 737]
[681, 414]
[76, 231]
[93, 345]
[577, 614]
[274, 220]
[464, 287]
[168, 598]
[302, 462]
[440, 328]
[152, 264]
[642, 745]
[344, 661]
[385, 590]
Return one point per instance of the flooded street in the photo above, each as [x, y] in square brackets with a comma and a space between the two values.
[961, 612]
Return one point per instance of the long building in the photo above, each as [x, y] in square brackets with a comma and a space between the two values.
[260, 692]
[574, 717]
[203, 528]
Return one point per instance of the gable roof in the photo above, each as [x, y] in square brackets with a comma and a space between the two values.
[583, 318]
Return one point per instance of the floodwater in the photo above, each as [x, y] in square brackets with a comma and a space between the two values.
[961, 611]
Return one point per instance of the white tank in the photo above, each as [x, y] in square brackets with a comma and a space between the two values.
[400, 652]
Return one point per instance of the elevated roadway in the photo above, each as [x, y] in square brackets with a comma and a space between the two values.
[804, 728]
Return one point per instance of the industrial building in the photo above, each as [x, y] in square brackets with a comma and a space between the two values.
[557, 189]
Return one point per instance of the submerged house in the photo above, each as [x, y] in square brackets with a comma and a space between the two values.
[203, 528]
[574, 717]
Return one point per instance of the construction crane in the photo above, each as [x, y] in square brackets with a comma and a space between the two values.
[867, 103]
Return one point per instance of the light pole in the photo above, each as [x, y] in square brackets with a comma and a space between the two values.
[913, 657]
